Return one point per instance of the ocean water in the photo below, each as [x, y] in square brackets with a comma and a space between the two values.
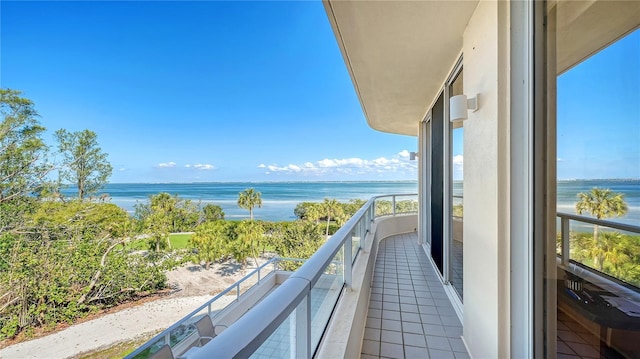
[280, 198]
[567, 196]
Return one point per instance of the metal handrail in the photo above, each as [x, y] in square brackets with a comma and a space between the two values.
[245, 336]
[167, 332]
[615, 225]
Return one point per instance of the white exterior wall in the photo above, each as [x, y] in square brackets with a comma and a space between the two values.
[486, 214]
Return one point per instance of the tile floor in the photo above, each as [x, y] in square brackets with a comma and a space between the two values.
[409, 313]
[576, 342]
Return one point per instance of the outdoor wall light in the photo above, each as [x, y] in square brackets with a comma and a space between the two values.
[413, 155]
[458, 106]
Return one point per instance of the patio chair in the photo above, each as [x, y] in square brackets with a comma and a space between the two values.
[164, 353]
[205, 330]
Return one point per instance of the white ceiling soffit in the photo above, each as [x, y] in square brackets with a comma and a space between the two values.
[398, 53]
[586, 27]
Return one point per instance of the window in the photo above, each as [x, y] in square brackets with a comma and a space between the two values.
[592, 252]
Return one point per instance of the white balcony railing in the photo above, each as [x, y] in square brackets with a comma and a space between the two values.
[291, 320]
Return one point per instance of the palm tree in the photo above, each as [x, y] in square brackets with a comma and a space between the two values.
[331, 208]
[248, 199]
[601, 203]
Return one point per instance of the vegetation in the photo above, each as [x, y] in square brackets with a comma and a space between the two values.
[248, 199]
[608, 251]
[619, 254]
[67, 262]
[298, 239]
[60, 259]
[600, 203]
[83, 162]
[384, 207]
[23, 158]
[458, 210]
[64, 258]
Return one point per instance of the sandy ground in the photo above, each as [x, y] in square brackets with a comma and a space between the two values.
[193, 286]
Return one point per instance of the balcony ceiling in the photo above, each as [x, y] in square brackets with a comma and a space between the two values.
[398, 54]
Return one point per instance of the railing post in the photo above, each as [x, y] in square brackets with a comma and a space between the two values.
[363, 231]
[238, 292]
[393, 204]
[348, 260]
[167, 338]
[209, 309]
[303, 329]
[564, 238]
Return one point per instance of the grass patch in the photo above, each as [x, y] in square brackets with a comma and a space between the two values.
[118, 350]
[180, 241]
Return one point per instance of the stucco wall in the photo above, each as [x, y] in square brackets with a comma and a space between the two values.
[486, 269]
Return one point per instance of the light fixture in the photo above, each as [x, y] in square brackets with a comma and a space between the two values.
[458, 106]
[413, 155]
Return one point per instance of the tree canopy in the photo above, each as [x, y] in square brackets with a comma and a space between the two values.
[83, 161]
[23, 156]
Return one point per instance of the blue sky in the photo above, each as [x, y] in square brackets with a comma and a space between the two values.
[199, 91]
[599, 114]
[255, 91]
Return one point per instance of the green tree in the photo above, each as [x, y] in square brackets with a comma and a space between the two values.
[83, 161]
[164, 214]
[297, 239]
[301, 209]
[159, 221]
[248, 199]
[601, 203]
[352, 207]
[211, 212]
[210, 240]
[250, 235]
[23, 157]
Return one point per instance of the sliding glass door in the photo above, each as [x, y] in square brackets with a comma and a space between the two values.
[591, 179]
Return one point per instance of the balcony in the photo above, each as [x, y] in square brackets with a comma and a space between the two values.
[369, 291]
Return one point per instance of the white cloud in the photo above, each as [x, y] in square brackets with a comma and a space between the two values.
[205, 167]
[122, 169]
[166, 164]
[187, 166]
[353, 165]
[458, 160]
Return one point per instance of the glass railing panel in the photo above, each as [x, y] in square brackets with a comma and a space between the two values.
[281, 343]
[356, 237]
[457, 206]
[324, 296]
[607, 250]
[406, 204]
[383, 207]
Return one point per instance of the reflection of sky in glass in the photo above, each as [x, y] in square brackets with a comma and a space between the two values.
[458, 152]
[599, 114]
